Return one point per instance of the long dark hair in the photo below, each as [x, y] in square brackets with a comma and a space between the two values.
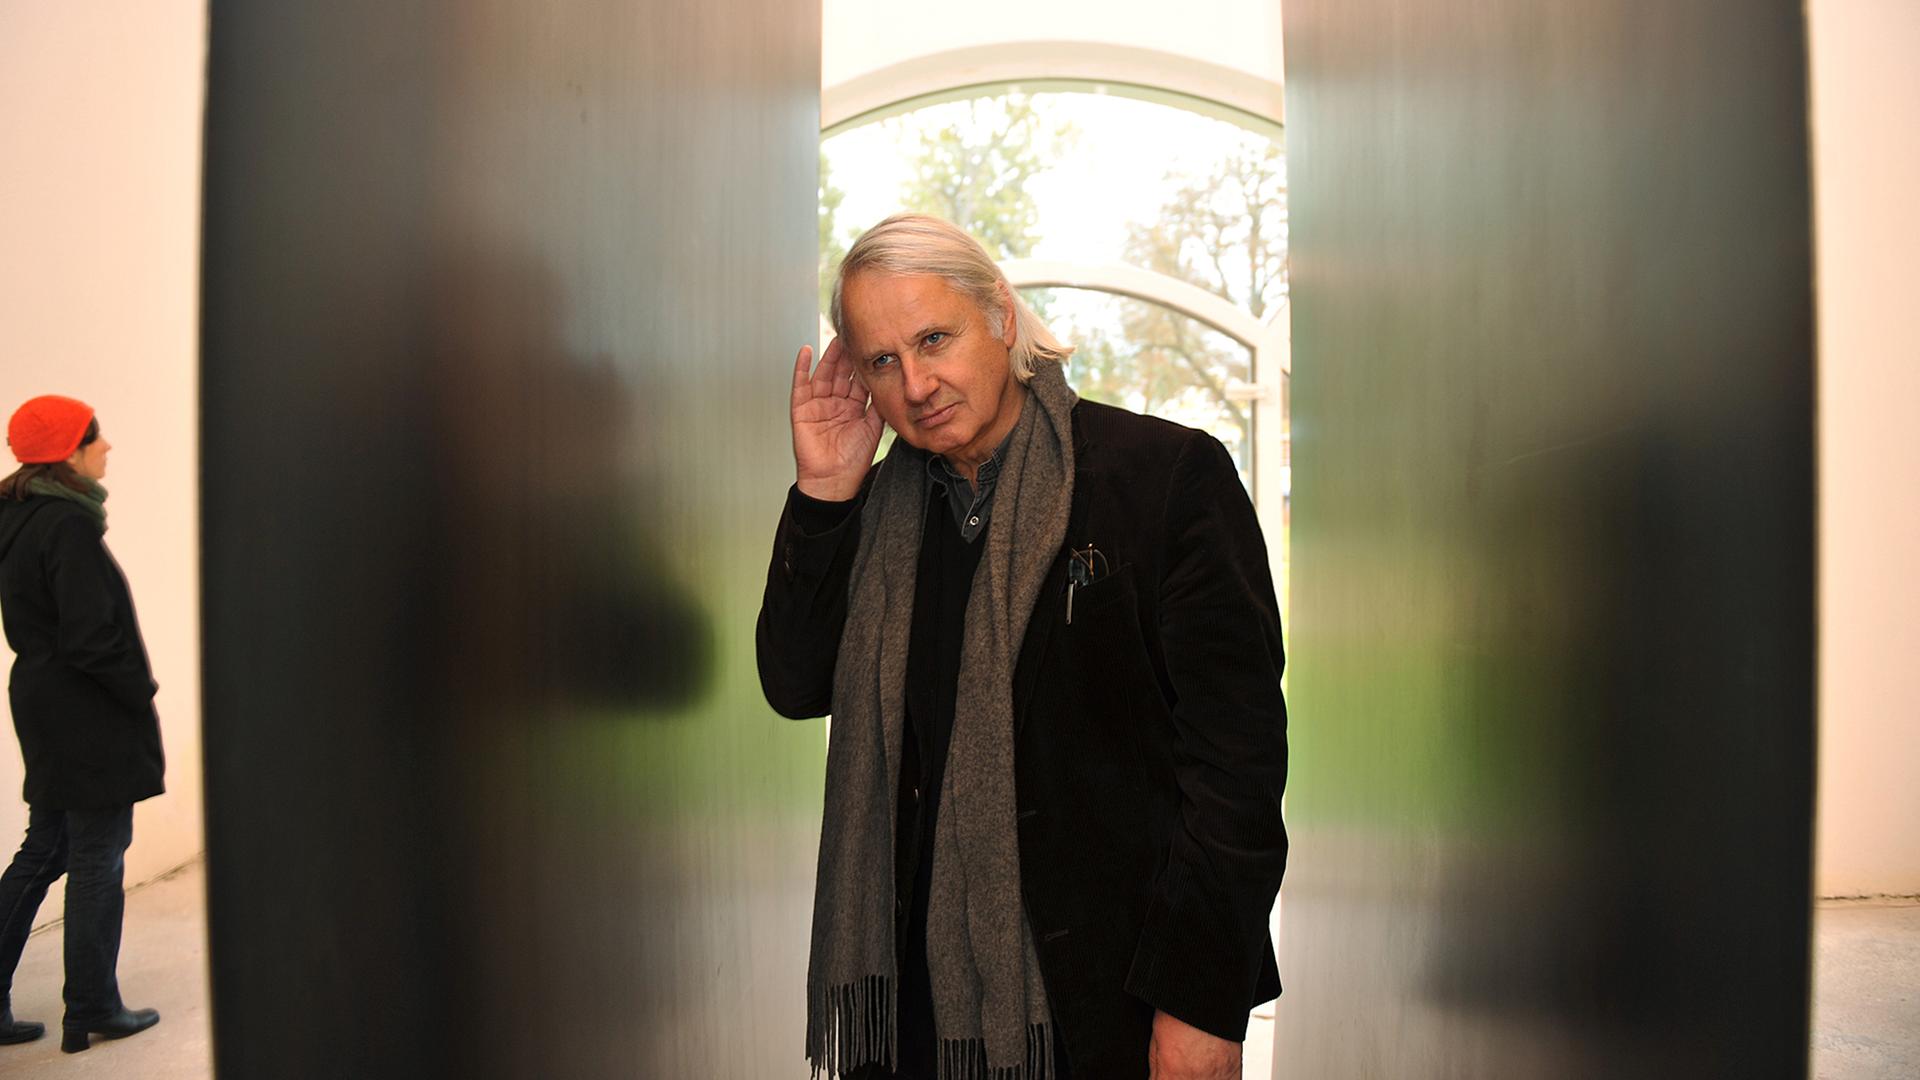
[15, 485]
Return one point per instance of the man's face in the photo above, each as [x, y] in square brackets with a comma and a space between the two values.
[938, 374]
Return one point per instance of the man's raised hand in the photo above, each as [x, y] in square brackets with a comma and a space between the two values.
[834, 431]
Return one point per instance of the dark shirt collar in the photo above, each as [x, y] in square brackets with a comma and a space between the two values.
[942, 472]
[971, 503]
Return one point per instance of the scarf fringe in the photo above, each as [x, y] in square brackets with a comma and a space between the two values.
[851, 1025]
[966, 1059]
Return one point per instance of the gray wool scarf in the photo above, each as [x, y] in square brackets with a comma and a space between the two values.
[990, 1007]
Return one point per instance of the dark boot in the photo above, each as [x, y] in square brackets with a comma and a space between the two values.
[18, 1031]
[118, 1026]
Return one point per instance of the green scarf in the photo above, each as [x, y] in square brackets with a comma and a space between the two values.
[93, 500]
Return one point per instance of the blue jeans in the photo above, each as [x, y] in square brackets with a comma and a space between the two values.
[90, 847]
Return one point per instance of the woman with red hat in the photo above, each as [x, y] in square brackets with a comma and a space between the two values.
[82, 697]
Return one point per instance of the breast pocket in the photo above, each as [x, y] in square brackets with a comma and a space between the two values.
[1092, 602]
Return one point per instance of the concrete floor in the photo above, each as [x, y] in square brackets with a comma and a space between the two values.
[1866, 1009]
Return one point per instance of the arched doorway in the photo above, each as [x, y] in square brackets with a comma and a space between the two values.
[1147, 225]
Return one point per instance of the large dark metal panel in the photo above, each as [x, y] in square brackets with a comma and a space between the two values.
[499, 303]
[1553, 627]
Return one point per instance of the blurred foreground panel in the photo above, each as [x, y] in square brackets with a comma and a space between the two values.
[499, 303]
[1553, 565]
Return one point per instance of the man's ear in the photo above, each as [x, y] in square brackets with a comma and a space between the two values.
[1010, 331]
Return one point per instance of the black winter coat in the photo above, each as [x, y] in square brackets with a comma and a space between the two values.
[82, 690]
[1150, 752]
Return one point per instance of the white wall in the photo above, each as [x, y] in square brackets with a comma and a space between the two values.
[1866, 137]
[1238, 39]
[865, 35]
[100, 108]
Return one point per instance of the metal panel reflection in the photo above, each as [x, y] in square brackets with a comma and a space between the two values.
[1552, 652]
[498, 304]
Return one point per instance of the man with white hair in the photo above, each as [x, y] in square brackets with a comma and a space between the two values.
[1047, 635]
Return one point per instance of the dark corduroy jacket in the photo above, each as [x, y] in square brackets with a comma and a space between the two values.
[82, 691]
[1150, 752]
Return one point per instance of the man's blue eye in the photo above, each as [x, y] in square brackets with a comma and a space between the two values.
[883, 360]
[936, 337]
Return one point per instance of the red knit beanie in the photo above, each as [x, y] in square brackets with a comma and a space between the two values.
[48, 428]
